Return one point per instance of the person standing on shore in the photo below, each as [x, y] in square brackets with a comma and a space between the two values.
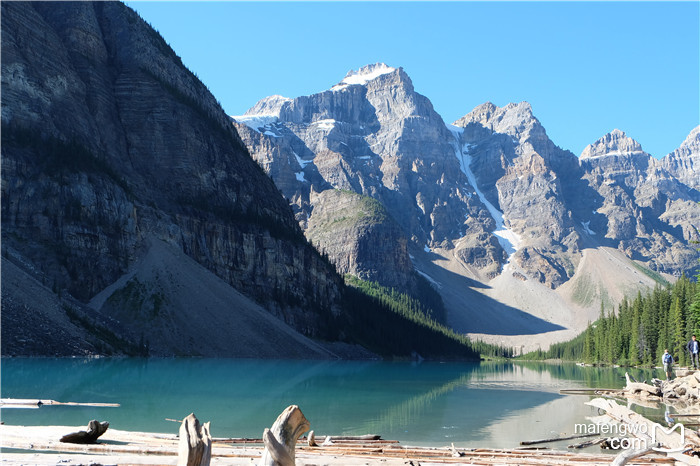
[694, 350]
[667, 359]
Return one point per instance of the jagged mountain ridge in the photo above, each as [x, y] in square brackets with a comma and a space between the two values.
[378, 138]
[513, 204]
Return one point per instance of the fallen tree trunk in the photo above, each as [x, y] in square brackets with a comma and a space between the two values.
[94, 430]
[194, 448]
[636, 387]
[280, 440]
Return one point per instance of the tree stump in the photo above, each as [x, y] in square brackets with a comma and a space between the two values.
[194, 448]
[280, 440]
[94, 430]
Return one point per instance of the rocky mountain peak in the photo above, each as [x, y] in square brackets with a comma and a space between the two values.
[615, 142]
[515, 119]
[364, 75]
[693, 140]
[684, 162]
[268, 106]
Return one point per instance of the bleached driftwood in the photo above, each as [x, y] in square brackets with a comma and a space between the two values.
[280, 440]
[637, 387]
[312, 439]
[627, 455]
[456, 453]
[642, 428]
[194, 447]
[94, 430]
[24, 403]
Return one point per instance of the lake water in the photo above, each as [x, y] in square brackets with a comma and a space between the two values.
[468, 404]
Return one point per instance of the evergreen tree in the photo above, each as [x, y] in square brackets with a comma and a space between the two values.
[589, 345]
[649, 331]
[634, 349]
[601, 336]
[677, 332]
[638, 333]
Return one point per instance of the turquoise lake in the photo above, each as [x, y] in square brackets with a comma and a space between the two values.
[469, 404]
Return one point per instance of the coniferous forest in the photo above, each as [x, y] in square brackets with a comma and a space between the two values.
[639, 331]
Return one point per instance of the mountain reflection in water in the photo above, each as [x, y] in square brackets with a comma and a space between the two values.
[468, 404]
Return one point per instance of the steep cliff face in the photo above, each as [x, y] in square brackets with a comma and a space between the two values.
[359, 234]
[646, 211]
[530, 181]
[684, 162]
[374, 135]
[109, 140]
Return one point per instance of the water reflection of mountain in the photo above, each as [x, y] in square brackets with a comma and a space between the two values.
[593, 377]
[428, 403]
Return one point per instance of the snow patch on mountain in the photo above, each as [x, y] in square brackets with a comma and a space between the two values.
[328, 123]
[508, 239]
[363, 75]
[256, 122]
[432, 281]
[586, 227]
[302, 163]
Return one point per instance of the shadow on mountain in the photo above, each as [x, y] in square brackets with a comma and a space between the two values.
[470, 311]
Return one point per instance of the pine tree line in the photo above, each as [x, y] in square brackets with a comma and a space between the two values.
[395, 324]
[640, 331]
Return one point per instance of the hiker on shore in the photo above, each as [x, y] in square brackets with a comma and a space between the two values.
[694, 350]
[667, 359]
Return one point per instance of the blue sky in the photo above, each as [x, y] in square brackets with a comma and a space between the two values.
[586, 67]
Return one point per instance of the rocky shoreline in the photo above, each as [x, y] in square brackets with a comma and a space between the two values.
[681, 391]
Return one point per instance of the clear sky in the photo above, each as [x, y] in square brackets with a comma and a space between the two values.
[585, 67]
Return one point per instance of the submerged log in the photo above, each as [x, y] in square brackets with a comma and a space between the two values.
[94, 430]
[555, 439]
[588, 443]
[194, 448]
[280, 440]
[25, 403]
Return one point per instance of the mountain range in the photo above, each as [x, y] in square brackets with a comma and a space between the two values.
[139, 218]
[519, 236]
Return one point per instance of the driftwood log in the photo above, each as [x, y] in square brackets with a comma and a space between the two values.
[194, 447]
[637, 388]
[628, 455]
[642, 428]
[94, 430]
[280, 440]
[312, 439]
[555, 439]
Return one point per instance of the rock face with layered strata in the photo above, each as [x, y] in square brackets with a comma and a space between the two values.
[110, 142]
[646, 211]
[684, 162]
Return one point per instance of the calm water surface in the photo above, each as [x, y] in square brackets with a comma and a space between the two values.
[470, 405]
